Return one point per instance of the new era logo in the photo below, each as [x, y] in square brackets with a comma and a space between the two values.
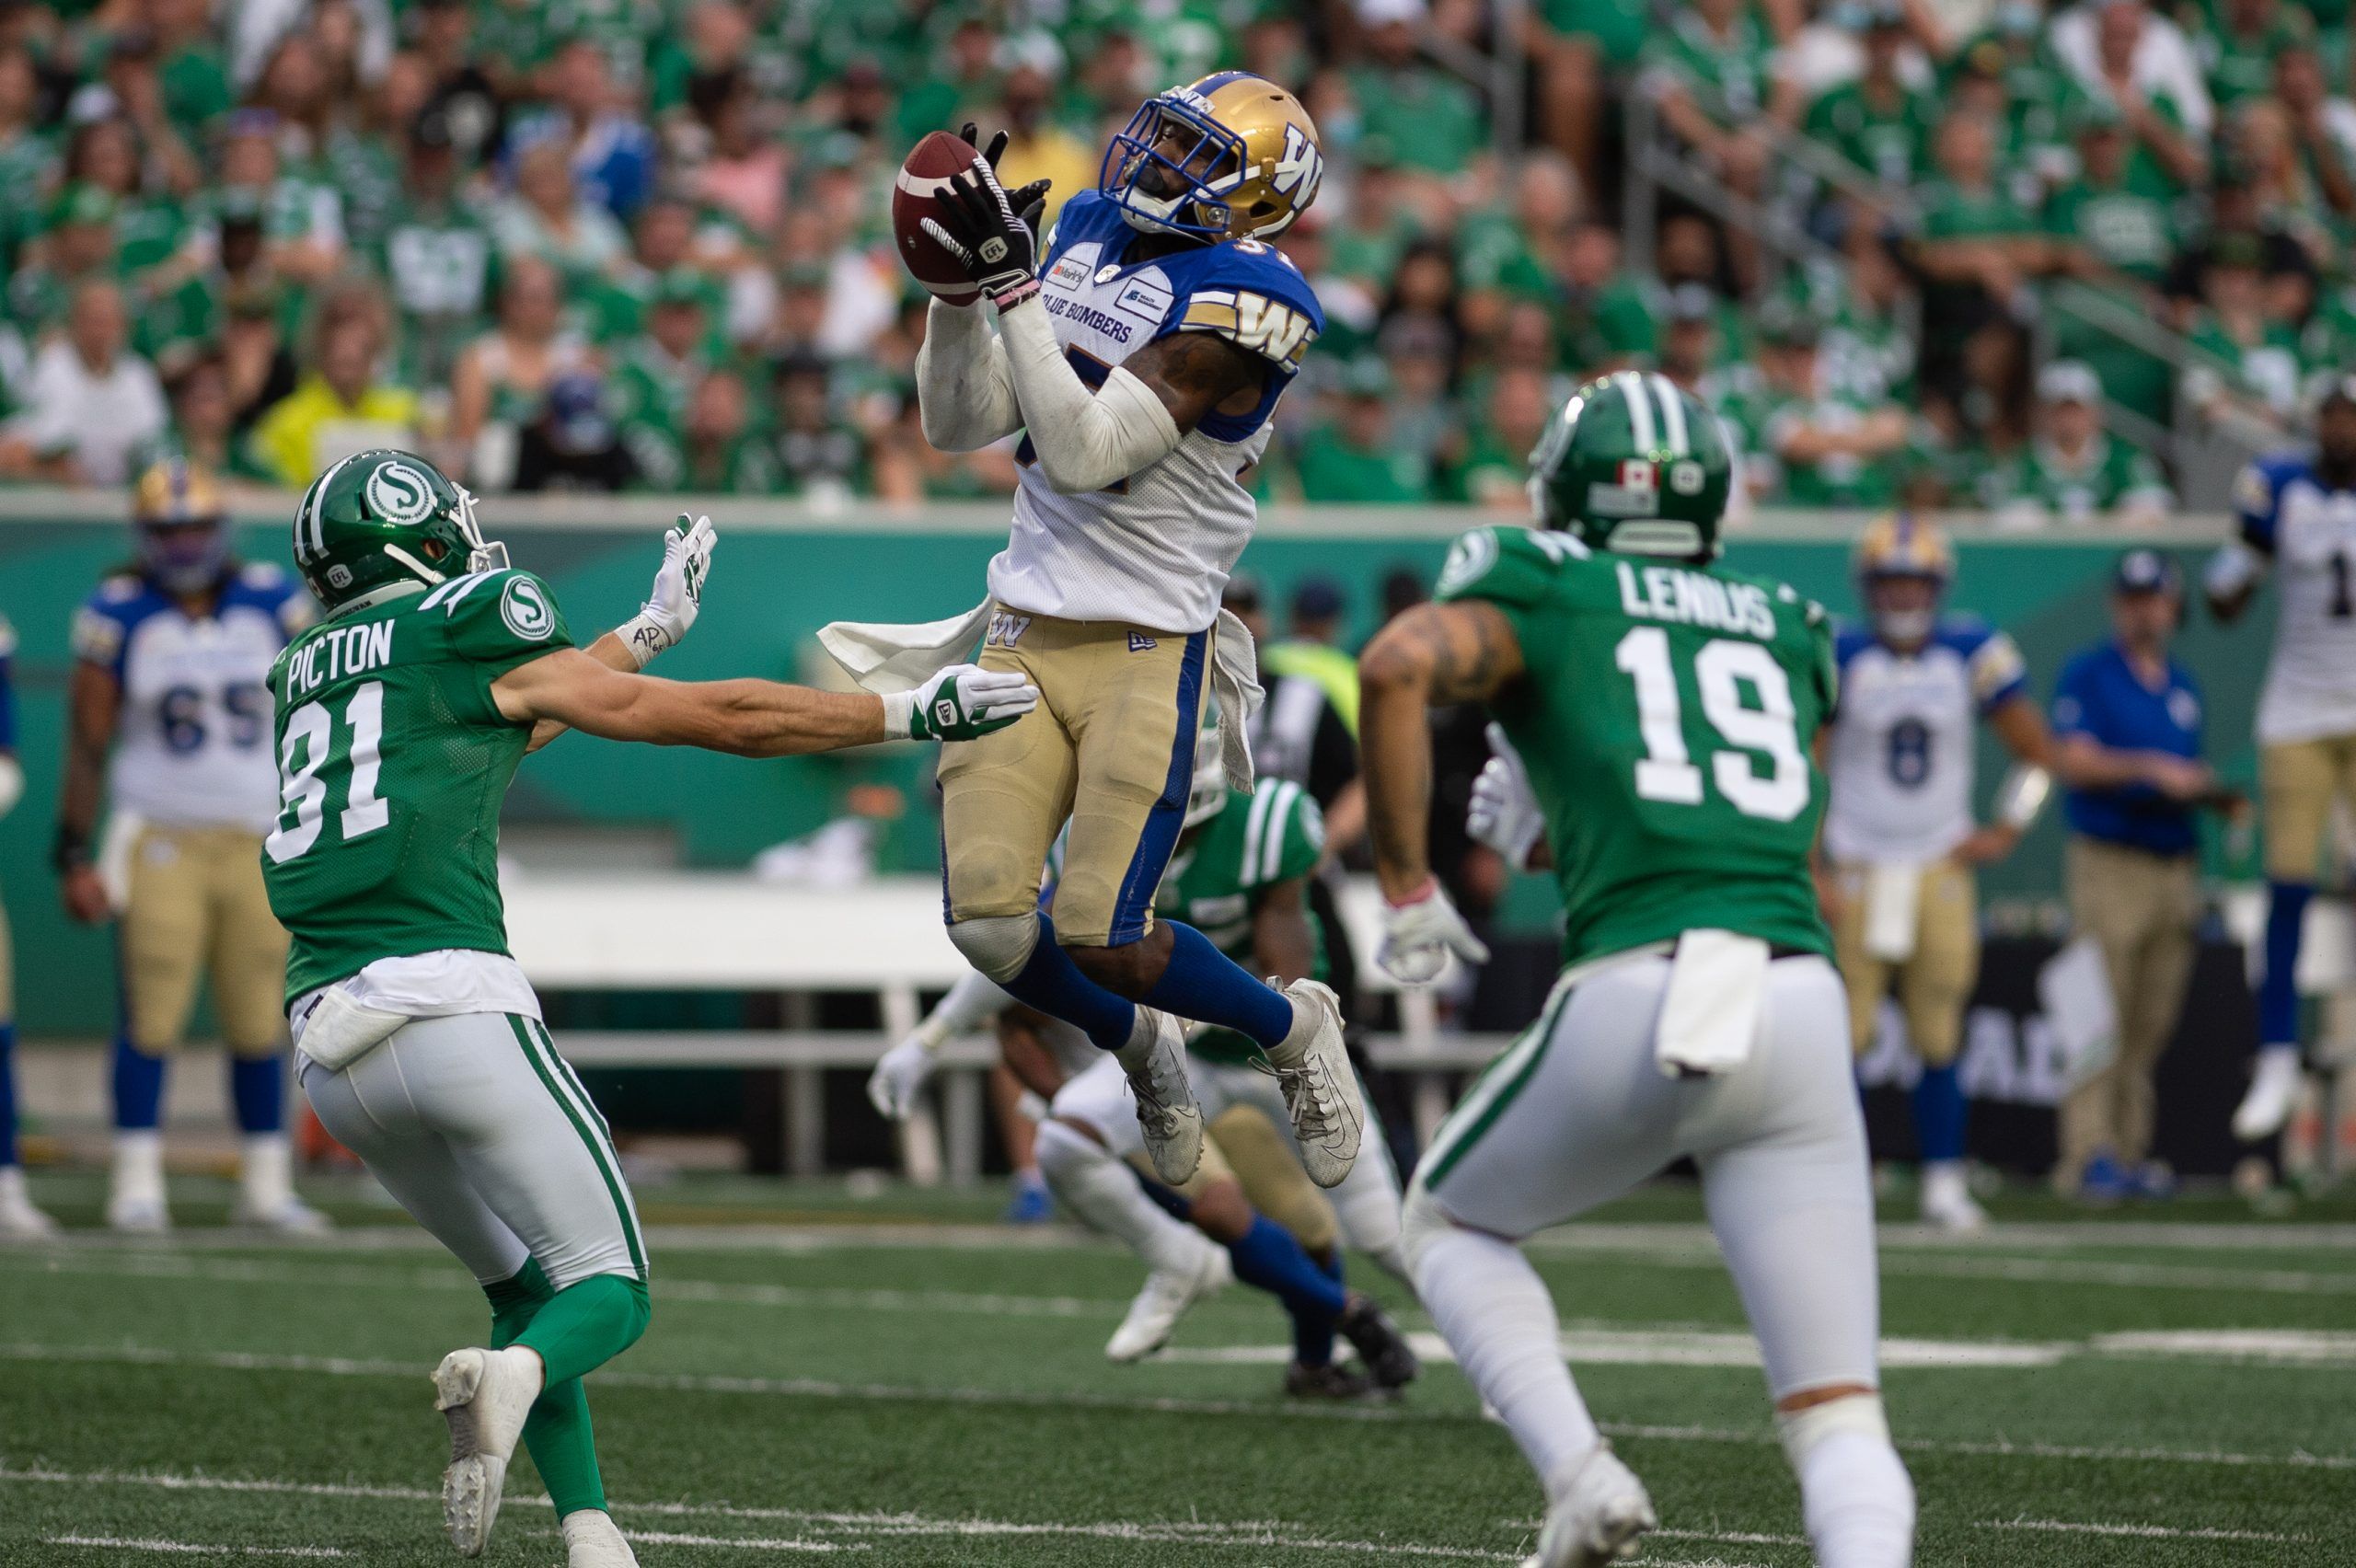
[1140, 642]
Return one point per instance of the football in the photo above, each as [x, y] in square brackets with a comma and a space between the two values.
[915, 192]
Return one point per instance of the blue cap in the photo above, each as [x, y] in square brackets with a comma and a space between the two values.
[1317, 598]
[2145, 571]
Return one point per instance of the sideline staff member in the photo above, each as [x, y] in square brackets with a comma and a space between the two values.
[2127, 743]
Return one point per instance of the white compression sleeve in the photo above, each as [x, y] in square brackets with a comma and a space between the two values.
[964, 393]
[2233, 567]
[1085, 440]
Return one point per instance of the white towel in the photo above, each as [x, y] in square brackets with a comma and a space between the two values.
[1710, 1013]
[338, 1029]
[883, 658]
[1893, 909]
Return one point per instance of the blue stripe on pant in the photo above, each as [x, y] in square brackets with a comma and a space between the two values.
[1135, 906]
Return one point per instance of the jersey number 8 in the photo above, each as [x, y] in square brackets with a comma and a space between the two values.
[1666, 771]
[310, 733]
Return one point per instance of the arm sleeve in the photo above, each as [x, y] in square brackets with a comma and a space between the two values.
[965, 392]
[1085, 440]
[503, 619]
[971, 1003]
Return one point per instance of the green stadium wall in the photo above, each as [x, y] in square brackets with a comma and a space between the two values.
[775, 582]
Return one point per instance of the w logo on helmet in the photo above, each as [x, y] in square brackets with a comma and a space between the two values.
[400, 493]
[1300, 166]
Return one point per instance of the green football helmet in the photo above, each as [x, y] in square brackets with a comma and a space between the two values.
[381, 522]
[1635, 463]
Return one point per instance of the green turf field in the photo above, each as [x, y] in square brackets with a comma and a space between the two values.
[894, 1382]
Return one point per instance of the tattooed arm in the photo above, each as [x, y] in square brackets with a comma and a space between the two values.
[1433, 655]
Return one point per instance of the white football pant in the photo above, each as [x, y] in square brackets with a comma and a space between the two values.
[480, 1131]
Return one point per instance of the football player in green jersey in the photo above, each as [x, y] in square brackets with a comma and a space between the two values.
[1661, 708]
[402, 718]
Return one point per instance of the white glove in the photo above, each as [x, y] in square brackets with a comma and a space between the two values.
[677, 594]
[12, 783]
[962, 702]
[900, 1077]
[1419, 935]
[1504, 814]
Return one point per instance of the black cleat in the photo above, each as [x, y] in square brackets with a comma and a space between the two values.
[1340, 1383]
[1389, 1361]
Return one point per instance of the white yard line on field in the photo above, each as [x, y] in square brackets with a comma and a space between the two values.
[860, 1528]
[238, 1361]
[188, 1548]
[2139, 1532]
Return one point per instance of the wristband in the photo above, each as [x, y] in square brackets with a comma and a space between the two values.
[899, 713]
[1424, 889]
[644, 637]
[1028, 288]
[69, 849]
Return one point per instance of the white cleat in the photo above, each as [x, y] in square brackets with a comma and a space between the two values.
[2273, 1092]
[289, 1216]
[135, 1214]
[593, 1540]
[1948, 1203]
[20, 1221]
[1168, 1293]
[484, 1395]
[1598, 1518]
[1155, 1061]
[1321, 1090]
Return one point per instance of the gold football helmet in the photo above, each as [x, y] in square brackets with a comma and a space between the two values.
[1233, 156]
[183, 524]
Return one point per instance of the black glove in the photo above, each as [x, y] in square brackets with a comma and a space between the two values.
[992, 233]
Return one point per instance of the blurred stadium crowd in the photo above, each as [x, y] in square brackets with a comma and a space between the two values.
[644, 244]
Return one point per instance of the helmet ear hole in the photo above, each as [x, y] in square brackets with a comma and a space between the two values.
[434, 550]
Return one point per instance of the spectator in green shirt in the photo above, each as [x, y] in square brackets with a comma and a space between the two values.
[1439, 122]
[1978, 247]
[2071, 471]
[1877, 122]
[1352, 460]
[437, 256]
[1809, 446]
[2238, 49]
[1577, 46]
[1494, 469]
[2247, 372]
[1712, 74]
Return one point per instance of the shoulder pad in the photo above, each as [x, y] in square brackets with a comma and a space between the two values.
[1268, 325]
[1963, 632]
[1848, 641]
[262, 577]
[119, 589]
[1505, 563]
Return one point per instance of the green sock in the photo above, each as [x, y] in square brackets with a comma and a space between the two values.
[584, 1326]
[563, 1448]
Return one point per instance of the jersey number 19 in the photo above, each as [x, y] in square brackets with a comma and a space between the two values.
[303, 751]
[1722, 667]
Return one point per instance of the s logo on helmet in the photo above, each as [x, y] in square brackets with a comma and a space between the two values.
[524, 606]
[401, 494]
[1469, 561]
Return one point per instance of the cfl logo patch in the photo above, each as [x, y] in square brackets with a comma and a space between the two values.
[1006, 630]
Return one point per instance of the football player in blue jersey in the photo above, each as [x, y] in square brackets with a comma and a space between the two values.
[1141, 350]
[2295, 515]
[1899, 842]
[168, 720]
[18, 1218]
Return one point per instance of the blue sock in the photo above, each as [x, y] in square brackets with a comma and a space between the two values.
[138, 1088]
[258, 1085]
[1312, 1332]
[2278, 983]
[1938, 1114]
[1268, 1258]
[8, 1095]
[1206, 986]
[1053, 984]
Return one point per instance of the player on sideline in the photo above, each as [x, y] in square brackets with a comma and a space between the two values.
[1661, 705]
[2296, 513]
[1141, 355]
[400, 721]
[169, 720]
[1900, 844]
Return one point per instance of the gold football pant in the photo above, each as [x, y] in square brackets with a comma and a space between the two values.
[1935, 981]
[196, 906]
[1111, 748]
[2299, 779]
[2142, 911]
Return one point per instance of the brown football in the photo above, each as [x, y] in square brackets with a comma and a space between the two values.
[916, 194]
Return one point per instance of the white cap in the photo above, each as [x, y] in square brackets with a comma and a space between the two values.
[2069, 381]
[1382, 13]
